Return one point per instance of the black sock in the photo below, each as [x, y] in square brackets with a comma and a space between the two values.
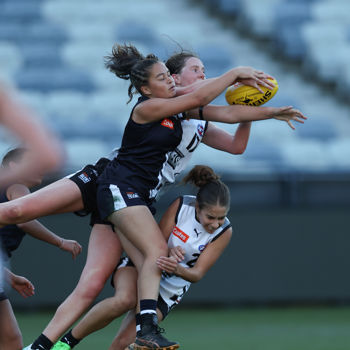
[69, 339]
[42, 343]
[148, 313]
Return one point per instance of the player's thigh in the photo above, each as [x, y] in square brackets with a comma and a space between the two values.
[58, 197]
[137, 224]
[62, 196]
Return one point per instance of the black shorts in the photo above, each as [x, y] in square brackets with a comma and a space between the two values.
[95, 218]
[86, 179]
[3, 295]
[161, 304]
[111, 198]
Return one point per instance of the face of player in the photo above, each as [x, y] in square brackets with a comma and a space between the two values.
[160, 83]
[192, 71]
[211, 217]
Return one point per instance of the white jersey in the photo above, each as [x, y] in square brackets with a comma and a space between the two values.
[193, 131]
[189, 234]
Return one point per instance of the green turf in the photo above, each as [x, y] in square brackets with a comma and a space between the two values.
[243, 329]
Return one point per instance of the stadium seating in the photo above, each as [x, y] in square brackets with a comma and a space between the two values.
[54, 51]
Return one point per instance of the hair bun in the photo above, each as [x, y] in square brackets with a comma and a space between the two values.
[200, 175]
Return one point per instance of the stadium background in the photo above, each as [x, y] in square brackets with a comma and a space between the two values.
[290, 189]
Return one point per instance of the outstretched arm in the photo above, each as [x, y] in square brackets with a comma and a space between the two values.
[39, 231]
[239, 113]
[222, 140]
[156, 108]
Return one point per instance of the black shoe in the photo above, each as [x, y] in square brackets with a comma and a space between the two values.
[151, 338]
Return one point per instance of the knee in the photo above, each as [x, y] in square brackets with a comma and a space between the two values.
[90, 287]
[128, 301]
[163, 249]
[11, 213]
[125, 301]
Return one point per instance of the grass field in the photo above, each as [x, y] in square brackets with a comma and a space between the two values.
[302, 328]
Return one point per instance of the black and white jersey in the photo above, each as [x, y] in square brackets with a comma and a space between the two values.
[193, 131]
[192, 237]
[142, 154]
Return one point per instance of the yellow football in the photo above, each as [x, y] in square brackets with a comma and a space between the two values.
[240, 94]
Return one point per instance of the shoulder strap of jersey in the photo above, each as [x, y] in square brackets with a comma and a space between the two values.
[178, 209]
[224, 228]
[140, 99]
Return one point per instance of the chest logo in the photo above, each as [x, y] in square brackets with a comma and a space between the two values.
[202, 247]
[180, 234]
[167, 123]
[200, 130]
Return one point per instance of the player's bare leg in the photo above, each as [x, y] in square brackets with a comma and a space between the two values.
[62, 196]
[103, 255]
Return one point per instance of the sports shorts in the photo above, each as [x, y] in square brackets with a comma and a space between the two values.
[3, 296]
[111, 198]
[86, 179]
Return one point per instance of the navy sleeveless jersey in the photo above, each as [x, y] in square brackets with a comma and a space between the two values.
[10, 235]
[142, 154]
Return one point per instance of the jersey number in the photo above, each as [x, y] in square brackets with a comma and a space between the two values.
[193, 261]
[193, 144]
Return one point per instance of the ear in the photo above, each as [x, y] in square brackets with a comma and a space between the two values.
[145, 90]
[177, 79]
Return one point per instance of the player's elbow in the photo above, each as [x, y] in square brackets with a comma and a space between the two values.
[197, 276]
[238, 148]
[239, 151]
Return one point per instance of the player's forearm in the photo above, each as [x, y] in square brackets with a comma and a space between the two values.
[183, 90]
[238, 114]
[241, 138]
[9, 276]
[192, 274]
[39, 231]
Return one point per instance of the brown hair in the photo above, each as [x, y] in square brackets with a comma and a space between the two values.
[212, 191]
[177, 61]
[127, 63]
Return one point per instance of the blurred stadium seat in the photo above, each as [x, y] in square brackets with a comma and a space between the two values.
[50, 79]
[54, 51]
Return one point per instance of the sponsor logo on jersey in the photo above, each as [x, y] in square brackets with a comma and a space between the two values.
[197, 232]
[180, 234]
[202, 247]
[132, 195]
[84, 177]
[167, 123]
[200, 130]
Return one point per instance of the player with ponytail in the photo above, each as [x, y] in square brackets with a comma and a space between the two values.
[196, 230]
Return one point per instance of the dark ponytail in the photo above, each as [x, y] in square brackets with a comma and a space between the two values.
[126, 62]
[212, 191]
